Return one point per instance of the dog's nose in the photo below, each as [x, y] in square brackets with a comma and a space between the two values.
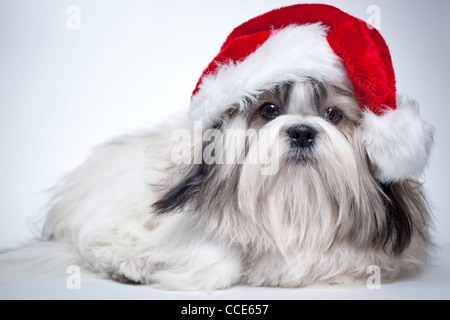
[302, 136]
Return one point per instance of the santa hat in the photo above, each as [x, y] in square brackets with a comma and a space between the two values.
[322, 42]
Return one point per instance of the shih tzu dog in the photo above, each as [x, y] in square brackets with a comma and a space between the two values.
[296, 165]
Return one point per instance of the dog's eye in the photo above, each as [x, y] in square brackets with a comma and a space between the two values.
[269, 111]
[334, 115]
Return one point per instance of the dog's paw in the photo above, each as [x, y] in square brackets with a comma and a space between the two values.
[131, 271]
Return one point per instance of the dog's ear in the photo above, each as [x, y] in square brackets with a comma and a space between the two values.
[191, 191]
[406, 213]
[181, 195]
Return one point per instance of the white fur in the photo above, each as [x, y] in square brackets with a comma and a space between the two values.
[398, 143]
[38, 261]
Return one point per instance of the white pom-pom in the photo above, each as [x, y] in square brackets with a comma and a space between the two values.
[398, 143]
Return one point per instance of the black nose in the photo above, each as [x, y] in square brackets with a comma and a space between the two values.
[302, 136]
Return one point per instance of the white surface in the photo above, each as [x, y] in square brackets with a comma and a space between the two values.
[432, 284]
[131, 64]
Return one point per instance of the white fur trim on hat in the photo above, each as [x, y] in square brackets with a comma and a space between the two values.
[293, 53]
[398, 143]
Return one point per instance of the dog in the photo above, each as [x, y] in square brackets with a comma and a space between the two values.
[284, 172]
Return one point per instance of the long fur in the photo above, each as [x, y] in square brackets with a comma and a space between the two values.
[276, 215]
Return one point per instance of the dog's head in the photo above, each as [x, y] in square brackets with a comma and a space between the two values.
[298, 148]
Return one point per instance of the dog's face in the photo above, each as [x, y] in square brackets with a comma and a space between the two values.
[299, 176]
[311, 120]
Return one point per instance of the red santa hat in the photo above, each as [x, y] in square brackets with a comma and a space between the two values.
[320, 41]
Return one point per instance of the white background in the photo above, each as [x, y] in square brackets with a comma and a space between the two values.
[133, 63]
